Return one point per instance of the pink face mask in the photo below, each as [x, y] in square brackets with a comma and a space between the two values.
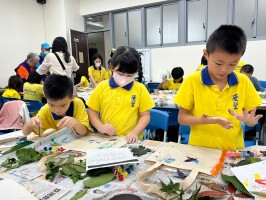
[122, 80]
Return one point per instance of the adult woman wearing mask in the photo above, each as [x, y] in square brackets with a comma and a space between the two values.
[59, 61]
[97, 73]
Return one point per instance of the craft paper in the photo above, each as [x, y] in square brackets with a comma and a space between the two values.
[99, 158]
[253, 177]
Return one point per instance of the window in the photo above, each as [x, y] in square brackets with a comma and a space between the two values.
[170, 23]
[153, 26]
[261, 22]
[196, 20]
[217, 13]
[120, 29]
[244, 16]
[97, 23]
[134, 28]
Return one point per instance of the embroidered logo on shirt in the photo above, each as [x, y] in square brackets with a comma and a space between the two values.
[133, 100]
[235, 101]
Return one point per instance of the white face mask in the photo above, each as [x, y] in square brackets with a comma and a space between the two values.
[122, 80]
[46, 52]
[97, 65]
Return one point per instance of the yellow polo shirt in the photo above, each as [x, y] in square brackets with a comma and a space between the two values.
[200, 67]
[199, 95]
[240, 64]
[11, 93]
[85, 80]
[109, 74]
[171, 85]
[50, 120]
[98, 75]
[119, 106]
[33, 91]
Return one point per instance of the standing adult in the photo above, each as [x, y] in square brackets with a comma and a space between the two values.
[45, 49]
[24, 69]
[51, 62]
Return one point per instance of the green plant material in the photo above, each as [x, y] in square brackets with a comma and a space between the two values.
[98, 172]
[24, 156]
[79, 194]
[236, 183]
[18, 146]
[99, 180]
[195, 194]
[248, 160]
[65, 167]
[259, 194]
[171, 188]
[140, 150]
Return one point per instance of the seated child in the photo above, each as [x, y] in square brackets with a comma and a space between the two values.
[248, 71]
[203, 63]
[83, 82]
[123, 103]
[62, 109]
[109, 73]
[33, 88]
[175, 82]
[14, 85]
[215, 100]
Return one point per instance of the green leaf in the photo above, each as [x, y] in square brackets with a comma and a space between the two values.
[98, 172]
[67, 170]
[18, 146]
[248, 160]
[259, 194]
[99, 180]
[79, 168]
[79, 194]
[236, 183]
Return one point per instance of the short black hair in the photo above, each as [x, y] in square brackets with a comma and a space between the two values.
[57, 87]
[229, 38]
[127, 59]
[34, 77]
[14, 82]
[203, 61]
[247, 69]
[177, 73]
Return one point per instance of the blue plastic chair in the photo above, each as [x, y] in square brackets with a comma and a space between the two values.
[262, 85]
[257, 128]
[183, 133]
[152, 86]
[159, 120]
[173, 115]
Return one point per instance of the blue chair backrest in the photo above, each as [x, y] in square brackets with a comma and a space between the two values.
[262, 85]
[159, 119]
[173, 115]
[184, 132]
[152, 86]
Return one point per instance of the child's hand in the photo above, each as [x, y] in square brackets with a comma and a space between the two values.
[35, 122]
[131, 137]
[247, 118]
[108, 129]
[67, 121]
[223, 122]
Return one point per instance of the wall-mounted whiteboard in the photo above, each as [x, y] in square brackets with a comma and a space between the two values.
[146, 63]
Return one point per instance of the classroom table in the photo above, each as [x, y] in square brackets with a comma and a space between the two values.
[126, 188]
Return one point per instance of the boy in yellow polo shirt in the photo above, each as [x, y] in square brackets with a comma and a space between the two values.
[62, 109]
[123, 103]
[215, 100]
[175, 82]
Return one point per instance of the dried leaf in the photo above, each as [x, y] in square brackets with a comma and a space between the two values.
[242, 195]
[213, 186]
[212, 194]
[231, 189]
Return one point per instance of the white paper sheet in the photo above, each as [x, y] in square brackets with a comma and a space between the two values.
[99, 158]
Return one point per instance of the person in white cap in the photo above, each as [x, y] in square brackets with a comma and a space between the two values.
[45, 49]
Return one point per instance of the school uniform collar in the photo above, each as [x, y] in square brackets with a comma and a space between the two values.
[69, 112]
[113, 84]
[206, 79]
